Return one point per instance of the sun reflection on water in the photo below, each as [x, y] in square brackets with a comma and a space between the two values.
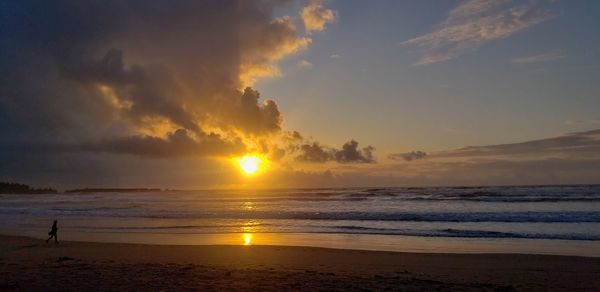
[248, 230]
[248, 205]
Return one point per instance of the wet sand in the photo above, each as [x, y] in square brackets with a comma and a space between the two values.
[31, 264]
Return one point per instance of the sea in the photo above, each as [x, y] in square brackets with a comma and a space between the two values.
[493, 219]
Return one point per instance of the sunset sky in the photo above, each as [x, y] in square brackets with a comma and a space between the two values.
[334, 93]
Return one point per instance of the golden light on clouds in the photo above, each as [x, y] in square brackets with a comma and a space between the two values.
[113, 99]
[315, 16]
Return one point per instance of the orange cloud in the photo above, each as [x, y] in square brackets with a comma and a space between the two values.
[315, 16]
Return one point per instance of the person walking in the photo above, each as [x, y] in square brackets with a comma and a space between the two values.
[53, 233]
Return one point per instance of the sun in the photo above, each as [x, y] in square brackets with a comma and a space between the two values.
[247, 238]
[251, 164]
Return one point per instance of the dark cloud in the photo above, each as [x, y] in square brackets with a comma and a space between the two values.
[292, 136]
[249, 116]
[315, 153]
[139, 91]
[349, 153]
[176, 144]
[78, 169]
[75, 73]
[277, 154]
[90, 90]
[409, 156]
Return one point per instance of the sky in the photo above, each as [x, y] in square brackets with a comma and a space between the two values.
[328, 93]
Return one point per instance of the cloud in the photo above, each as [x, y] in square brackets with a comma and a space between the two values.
[137, 91]
[176, 144]
[303, 64]
[142, 71]
[315, 153]
[567, 159]
[115, 93]
[572, 158]
[499, 172]
[474, 23]
[538, 58]
[249, 116]
[409, 156]
[315, 16]
[335, 56]
[574, 145]
[578, 121]
[292, 136]
[473, 7]
[349, 153]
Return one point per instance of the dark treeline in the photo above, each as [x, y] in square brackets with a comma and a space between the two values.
[16, 188]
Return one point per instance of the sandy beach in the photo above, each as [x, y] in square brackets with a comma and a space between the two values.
[30, 264]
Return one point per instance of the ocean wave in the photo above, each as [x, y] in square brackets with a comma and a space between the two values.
[342, 229]
[168, 227]
[507, 198]
[517, 194]
[469, 233]
[508, 194]
[508, 217]
[520, 194]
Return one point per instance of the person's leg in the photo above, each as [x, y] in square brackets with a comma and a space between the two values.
[48, 238]
[56, 238]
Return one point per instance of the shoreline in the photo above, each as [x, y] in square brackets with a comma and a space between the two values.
[346, 241]
[30, 264]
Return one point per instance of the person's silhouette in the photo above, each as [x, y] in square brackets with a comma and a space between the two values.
[53, 232]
